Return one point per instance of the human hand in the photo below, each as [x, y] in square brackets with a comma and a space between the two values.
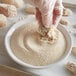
[49, 12]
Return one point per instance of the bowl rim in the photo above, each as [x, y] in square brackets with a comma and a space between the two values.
[20, 62]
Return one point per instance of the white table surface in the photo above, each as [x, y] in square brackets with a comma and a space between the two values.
[58, 70]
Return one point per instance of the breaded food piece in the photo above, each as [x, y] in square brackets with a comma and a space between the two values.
[67, 12]
[74, 50]
[8, 10]
[48, 35]
[30, 10]
[64, 21]
[3, 20]
[17, 3]
[71, 66]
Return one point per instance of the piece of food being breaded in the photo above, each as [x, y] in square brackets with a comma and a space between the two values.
[74, 50]
[64, 21]
[17, 3]
[8, 10]
[71, 66]
[3, 20]
[67, 12]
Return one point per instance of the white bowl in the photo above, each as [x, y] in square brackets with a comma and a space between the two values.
[29, 20]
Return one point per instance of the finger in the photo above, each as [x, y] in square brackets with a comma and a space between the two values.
[38, 16]
[56, 16]
[57, 13]
[47, 13]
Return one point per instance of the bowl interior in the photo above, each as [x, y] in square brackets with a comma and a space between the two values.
[28, 20]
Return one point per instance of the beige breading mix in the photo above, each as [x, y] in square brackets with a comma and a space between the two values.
[8, 10]
[48, 35]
